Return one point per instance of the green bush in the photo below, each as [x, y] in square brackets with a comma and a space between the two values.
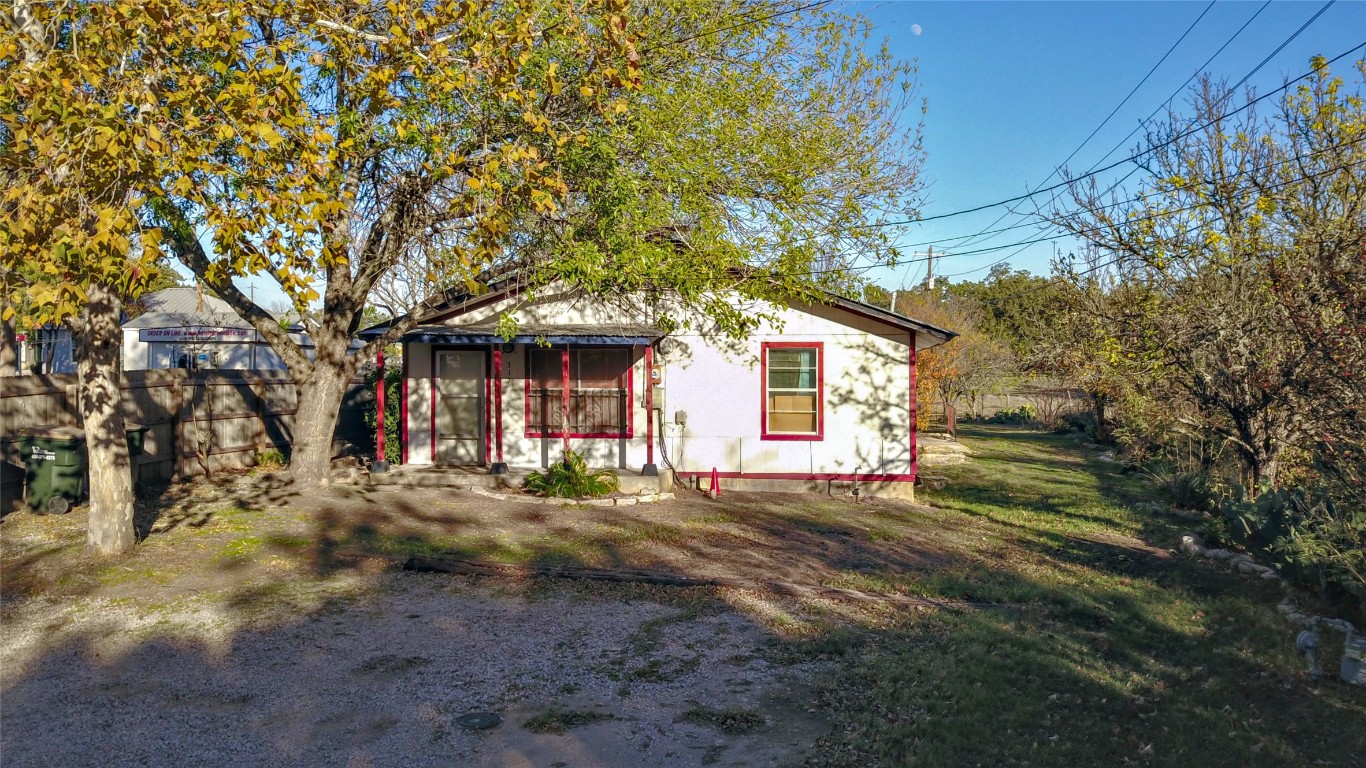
[572, 479]
[393, 393]
[270, 459]
[1190, 490]
[1025, 414]
[1307, 536]
[1077, 421]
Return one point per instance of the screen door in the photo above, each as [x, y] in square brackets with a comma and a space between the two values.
[460, 407]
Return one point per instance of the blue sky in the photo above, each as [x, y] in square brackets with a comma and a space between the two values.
[1015, 87]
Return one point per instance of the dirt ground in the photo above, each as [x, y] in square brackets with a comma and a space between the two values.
[239, 633]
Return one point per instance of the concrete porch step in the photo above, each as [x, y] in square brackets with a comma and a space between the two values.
[939, 451]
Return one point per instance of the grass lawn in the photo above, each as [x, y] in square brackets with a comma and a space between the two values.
[1107, 648]
[1120, 654]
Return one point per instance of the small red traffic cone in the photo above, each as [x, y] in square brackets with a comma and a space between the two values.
[715, 483]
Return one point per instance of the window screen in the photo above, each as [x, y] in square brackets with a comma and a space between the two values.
[794, 397]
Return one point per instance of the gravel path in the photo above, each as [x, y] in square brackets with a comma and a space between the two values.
[379, 678]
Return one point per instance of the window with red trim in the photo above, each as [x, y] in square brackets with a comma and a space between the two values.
[793, 401]
[599, 392]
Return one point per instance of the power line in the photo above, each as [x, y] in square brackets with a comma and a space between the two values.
[1282, 46]
[1138, 219]
[747, 21]
[1116, 164]
[1092, 170]
[1166, 103]
[1118, 106]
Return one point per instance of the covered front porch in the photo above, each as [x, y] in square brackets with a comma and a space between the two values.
[474, 402]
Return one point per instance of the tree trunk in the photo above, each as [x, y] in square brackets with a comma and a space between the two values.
[1263, 467]
[1098, 410]
[98, 335]
[9, 349]
[320, 397]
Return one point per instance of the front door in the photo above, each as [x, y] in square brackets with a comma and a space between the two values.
[459, 406]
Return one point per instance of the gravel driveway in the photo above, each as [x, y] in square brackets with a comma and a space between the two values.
[380, 676]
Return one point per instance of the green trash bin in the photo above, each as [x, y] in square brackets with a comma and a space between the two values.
[55, 475]
[55, 472]
[137, 438]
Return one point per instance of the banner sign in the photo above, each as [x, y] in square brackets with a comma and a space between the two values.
[199, 334]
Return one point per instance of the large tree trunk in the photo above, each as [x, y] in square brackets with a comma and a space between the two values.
[1262, 464]
[9, 349]
[320, 397]
[1098, 411]
[98, 336]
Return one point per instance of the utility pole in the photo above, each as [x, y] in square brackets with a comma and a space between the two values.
[929, 268]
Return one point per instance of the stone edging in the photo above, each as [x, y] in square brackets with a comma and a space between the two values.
[1193, 545]
[620, 501]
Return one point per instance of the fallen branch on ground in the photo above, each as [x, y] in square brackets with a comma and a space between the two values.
[658, 578]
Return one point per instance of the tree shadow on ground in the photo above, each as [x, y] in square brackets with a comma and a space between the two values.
[1117, 652]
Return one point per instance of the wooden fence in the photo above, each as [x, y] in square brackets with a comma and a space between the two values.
[195, 420]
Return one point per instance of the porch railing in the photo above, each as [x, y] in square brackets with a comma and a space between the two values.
[598, 411]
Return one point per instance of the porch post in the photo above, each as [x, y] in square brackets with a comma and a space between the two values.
[403, 411]
[498, 467]
[380, 465]
[650, 469]
[914, 414]
[564, 397]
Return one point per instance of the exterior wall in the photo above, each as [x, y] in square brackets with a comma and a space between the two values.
[418, 359]
[46, 351]
[135, 356]
[718, 384]
[139, 355]
[711, 402]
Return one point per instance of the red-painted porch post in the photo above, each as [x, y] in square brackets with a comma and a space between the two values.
[380, 463]
[914, 414]
[488, 415]
[564, 397]
[649, 405]
[498, 402]
[403, 412]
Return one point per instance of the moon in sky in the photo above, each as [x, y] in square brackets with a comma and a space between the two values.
[915, 30]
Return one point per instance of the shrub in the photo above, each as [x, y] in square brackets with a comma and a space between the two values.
[1190, 490]
[270, 459]
[1025, 414]
[1308, 536]
[572, 479]
[393, 393]
[1077, 421]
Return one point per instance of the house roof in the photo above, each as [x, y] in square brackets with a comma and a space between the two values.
[527, 333]
[892, 318]
[456, 304]
[185, 307]
[184, 299]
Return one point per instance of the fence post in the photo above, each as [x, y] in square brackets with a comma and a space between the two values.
[178, 425]
[72, 394]
[258, 388]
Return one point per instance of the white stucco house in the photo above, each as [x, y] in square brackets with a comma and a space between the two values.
[47, 349]
[826, 395]
[182, 327]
